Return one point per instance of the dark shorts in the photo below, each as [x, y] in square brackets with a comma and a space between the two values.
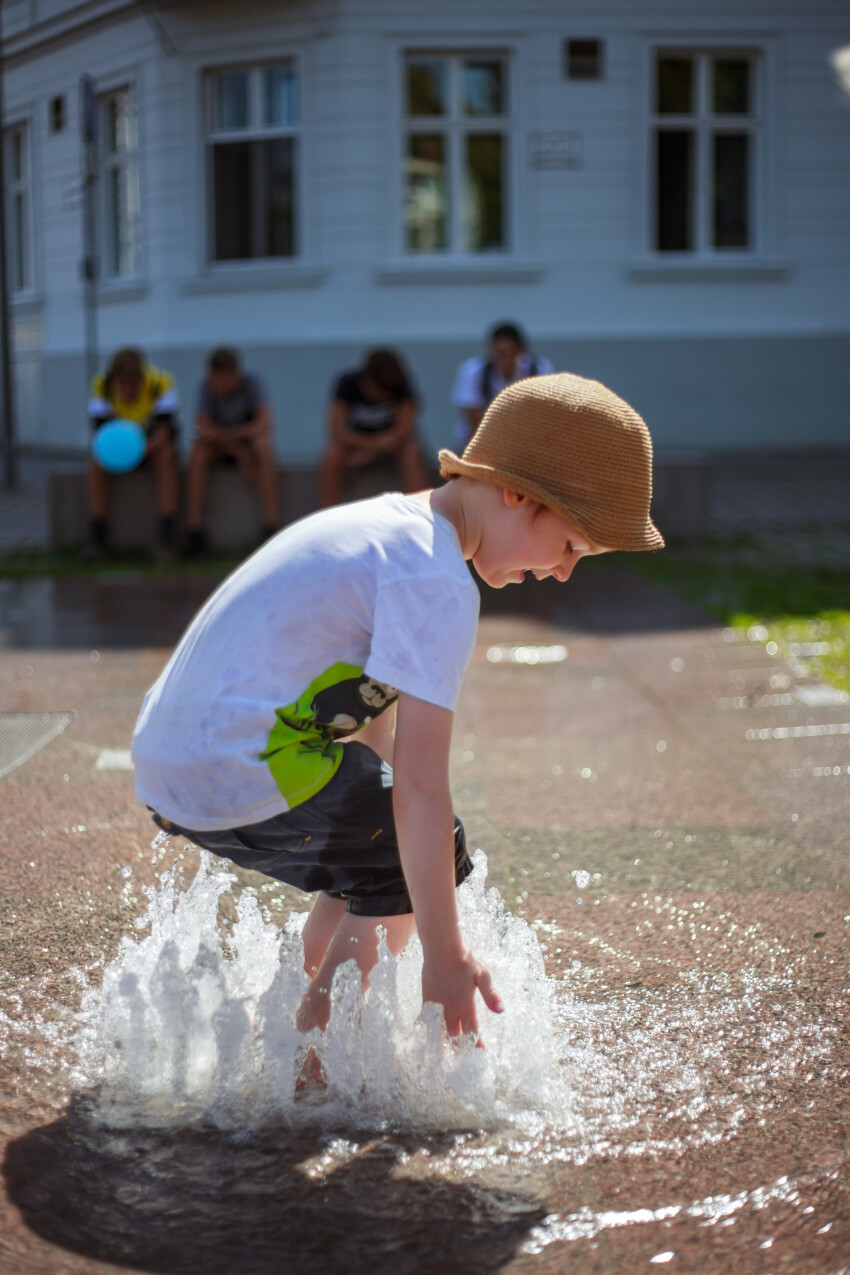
[342, 841]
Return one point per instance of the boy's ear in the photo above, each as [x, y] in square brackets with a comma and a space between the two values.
[513, 499]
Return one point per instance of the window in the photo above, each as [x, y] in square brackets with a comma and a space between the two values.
[119, 181]
[56, 114]
[253, 143]
[18, 187]
[583, 59]
[457, 137]
[705, 151]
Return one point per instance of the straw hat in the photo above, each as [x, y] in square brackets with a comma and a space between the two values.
[576, 447]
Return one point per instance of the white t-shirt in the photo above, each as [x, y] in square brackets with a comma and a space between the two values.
[304, 643]
[468, 388]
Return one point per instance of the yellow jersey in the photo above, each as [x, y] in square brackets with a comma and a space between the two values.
[157, 396]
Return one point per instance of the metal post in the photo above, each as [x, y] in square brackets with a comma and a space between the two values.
[9, 450]
[89, 270]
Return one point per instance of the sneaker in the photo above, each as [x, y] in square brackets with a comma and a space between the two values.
[196, 544]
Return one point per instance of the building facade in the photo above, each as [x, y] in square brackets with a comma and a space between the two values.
[659, 194]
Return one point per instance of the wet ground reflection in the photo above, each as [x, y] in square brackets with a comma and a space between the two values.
[136, 609]
[193, 1199]
[124, 612]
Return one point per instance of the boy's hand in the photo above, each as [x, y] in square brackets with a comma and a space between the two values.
[451, 982]
[425, 828]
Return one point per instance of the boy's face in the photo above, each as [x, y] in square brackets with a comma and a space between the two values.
[224, 382]
[527, 537]
[373, 391]
[505, 356]
[128, 387]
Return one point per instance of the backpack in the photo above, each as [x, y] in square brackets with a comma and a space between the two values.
[486, 388]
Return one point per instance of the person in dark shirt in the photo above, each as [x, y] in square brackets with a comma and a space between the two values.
[234, 421]
[372, 416]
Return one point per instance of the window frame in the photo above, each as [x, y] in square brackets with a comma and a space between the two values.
[26, 186]
[128, 158]
[211, 265]
[456, 127]
[706, 123]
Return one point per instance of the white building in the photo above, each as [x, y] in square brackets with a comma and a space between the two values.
[659, 193]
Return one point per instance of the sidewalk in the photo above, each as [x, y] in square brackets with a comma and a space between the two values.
[23, 512]
[665, 809]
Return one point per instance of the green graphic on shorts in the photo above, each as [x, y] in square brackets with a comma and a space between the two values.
[303, 751]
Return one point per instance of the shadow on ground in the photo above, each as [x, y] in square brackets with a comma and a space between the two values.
[136, 609]
[189, 1200]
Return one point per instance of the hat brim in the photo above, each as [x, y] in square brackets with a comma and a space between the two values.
[583, 512]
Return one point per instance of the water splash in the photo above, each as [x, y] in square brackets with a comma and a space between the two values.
[192, 1022]
[712, 1211]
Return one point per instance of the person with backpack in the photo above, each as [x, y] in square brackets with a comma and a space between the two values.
[479, 380]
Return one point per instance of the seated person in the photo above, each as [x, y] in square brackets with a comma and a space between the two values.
[479, 380]
[234, 421]
[134, 390]
[372, 416]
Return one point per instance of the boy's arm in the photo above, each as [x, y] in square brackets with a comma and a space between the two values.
[206, 428]
[345, 438]
[258, 425]
[425, 828]
[402, 427]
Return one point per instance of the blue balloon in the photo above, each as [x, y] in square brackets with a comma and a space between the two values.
[119, 446]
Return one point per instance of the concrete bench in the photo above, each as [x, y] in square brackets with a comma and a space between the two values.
[233, 515]
[683, 495]
[682, 502]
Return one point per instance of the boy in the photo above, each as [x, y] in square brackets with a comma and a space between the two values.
[234, 422]
[355, 611]
[133, 389]
[372, 417]
[479, 380]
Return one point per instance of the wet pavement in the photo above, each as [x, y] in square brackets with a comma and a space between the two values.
[606, 728]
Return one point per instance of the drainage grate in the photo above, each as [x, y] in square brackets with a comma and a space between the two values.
[23, 734]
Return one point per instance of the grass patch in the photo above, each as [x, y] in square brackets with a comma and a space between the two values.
[818, 646]
[800, 611]
[726, 584]
[17, 564]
